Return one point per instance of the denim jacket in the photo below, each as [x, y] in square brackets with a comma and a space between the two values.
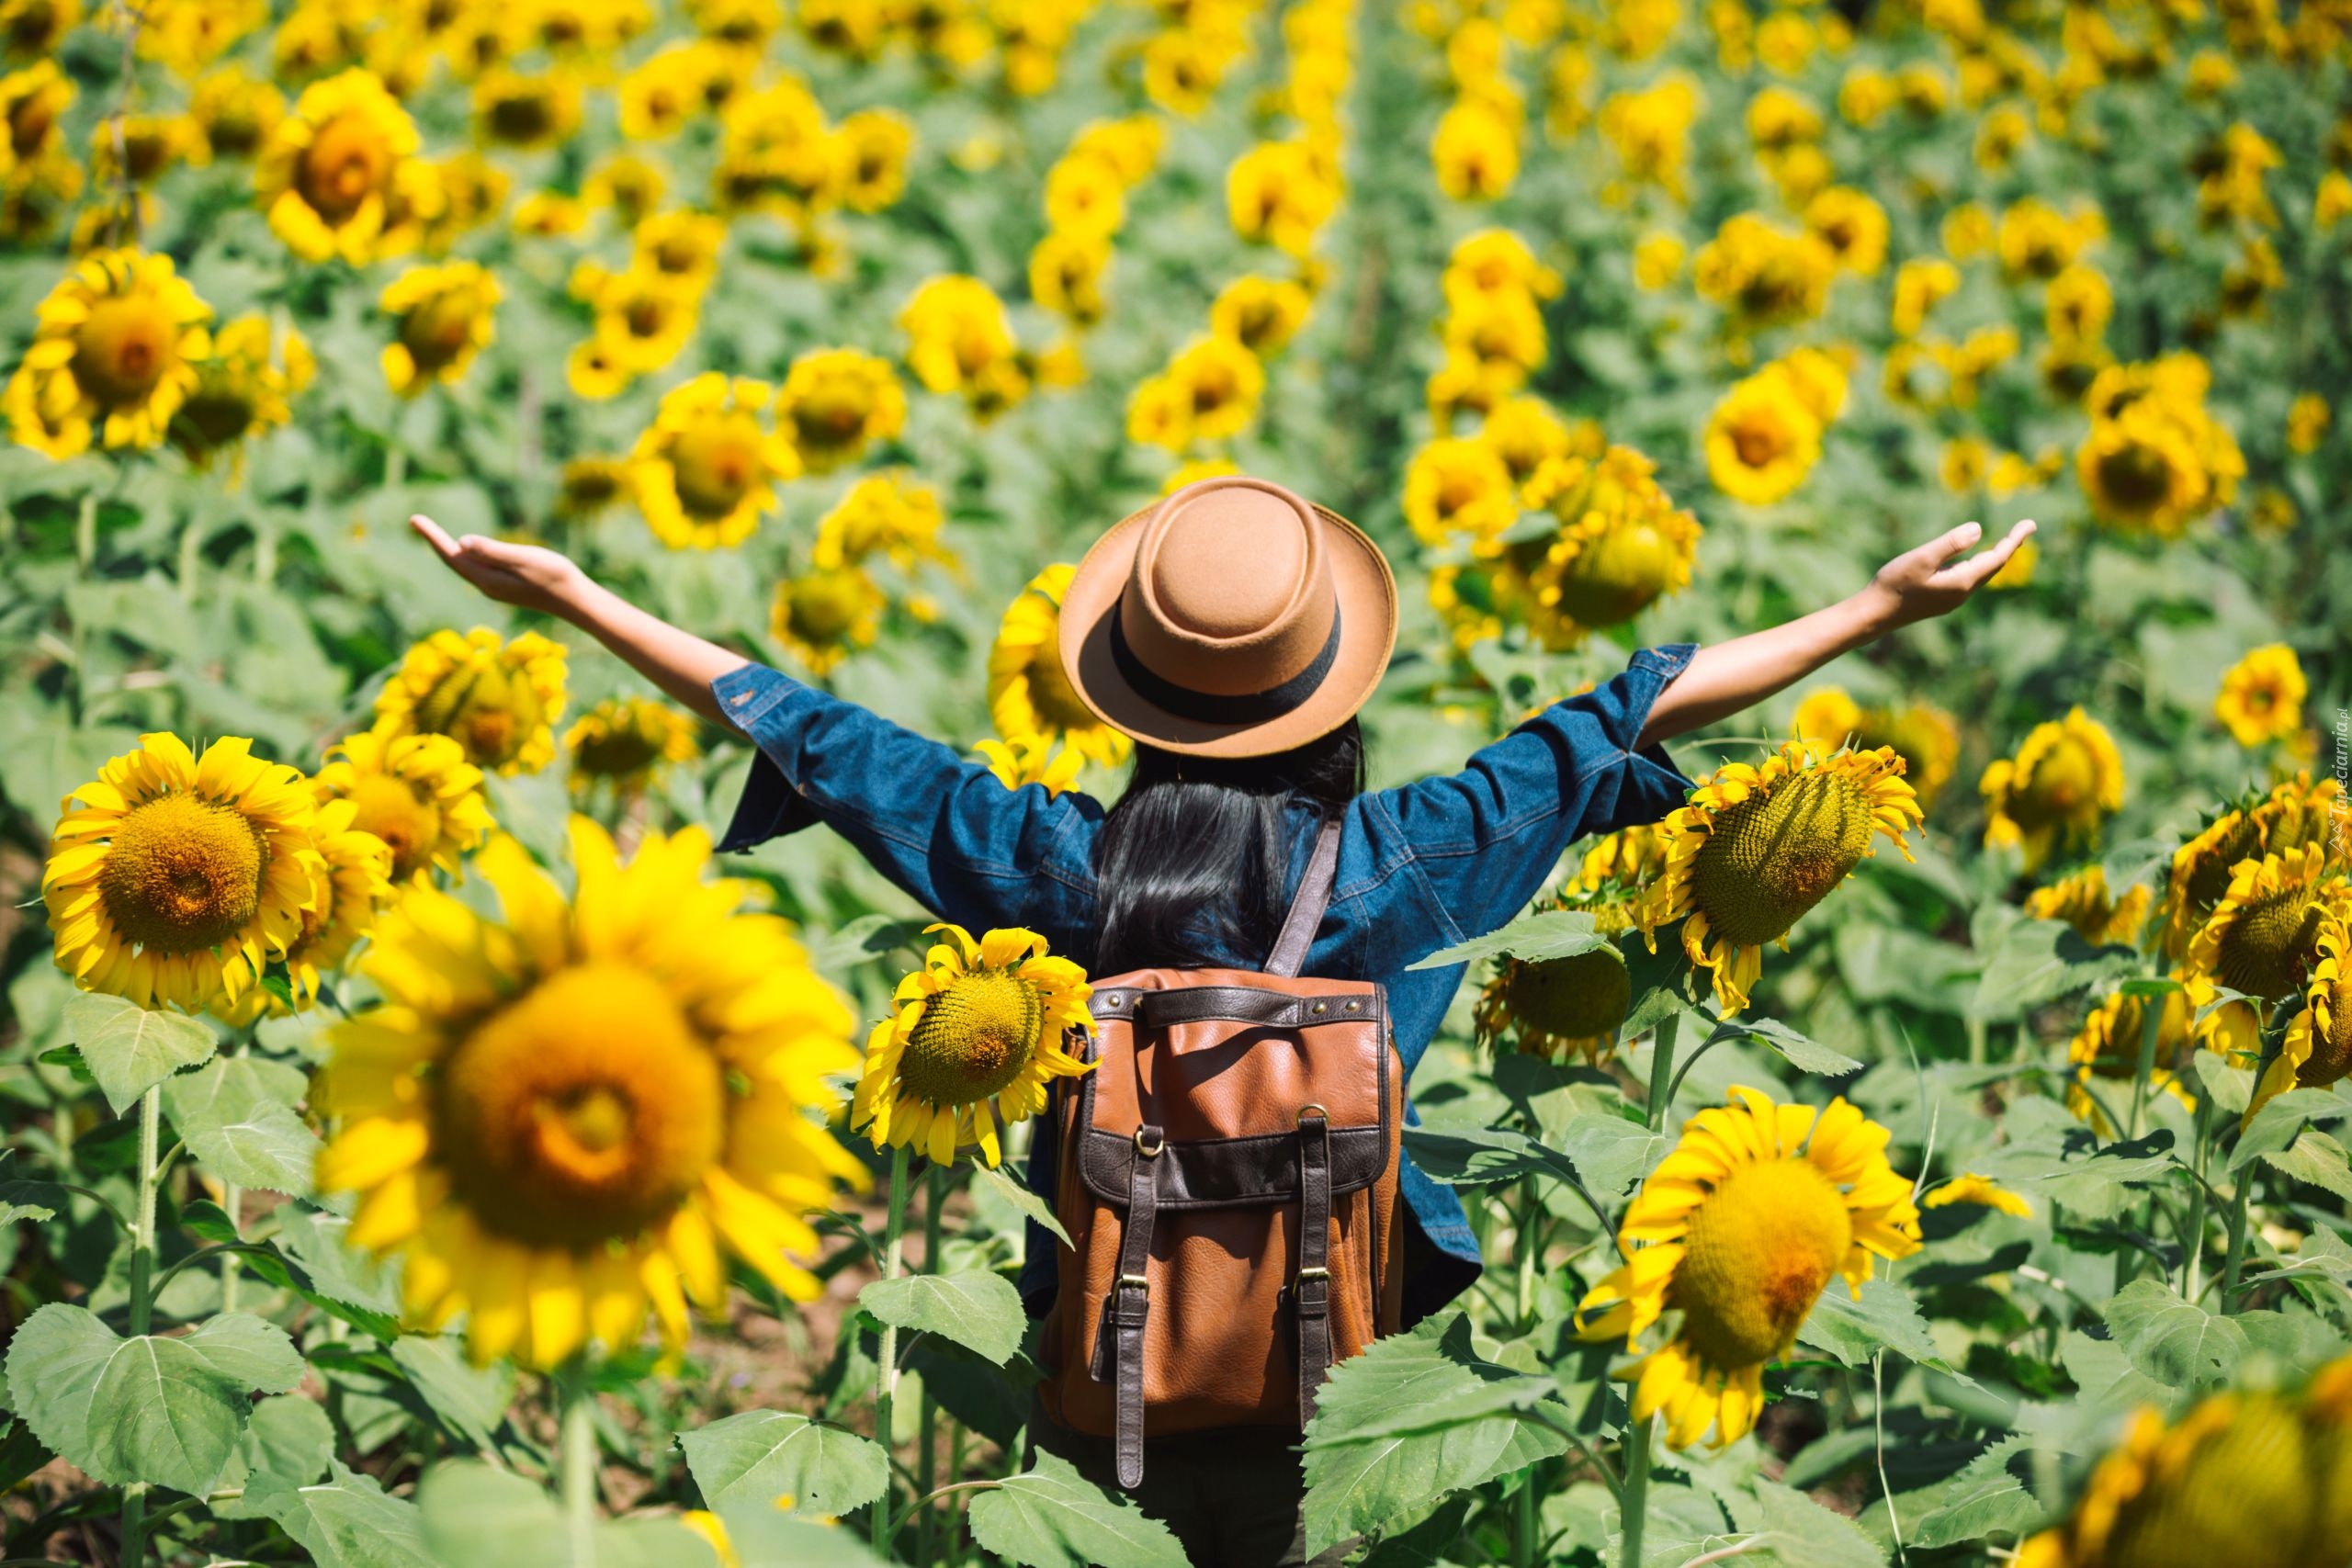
[1422, 866]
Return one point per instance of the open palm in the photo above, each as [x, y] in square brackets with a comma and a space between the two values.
[528, 575]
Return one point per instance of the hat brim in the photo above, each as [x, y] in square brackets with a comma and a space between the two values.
[1361, 579]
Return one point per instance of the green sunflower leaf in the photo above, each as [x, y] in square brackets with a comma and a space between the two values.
[764, 1536]
[977, 1310]
[1547, 933]
[147, 1408]
[345, 1521]
[762, 1455]
[1416, 1416]
[1611, 1152]
[1031, 1205]
[131, 1050]
[2042, 961]
[1801, 1052]
[1482, 1156]
[2173, 1342]
[236, 1115]
[1051, 1517]
[475, 1517]
[1885, 1318]
[2275, 1126]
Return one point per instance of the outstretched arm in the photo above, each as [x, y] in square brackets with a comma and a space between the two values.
[1725, 677]
[681, 663]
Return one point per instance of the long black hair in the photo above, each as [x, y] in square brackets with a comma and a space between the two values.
[1193, 862]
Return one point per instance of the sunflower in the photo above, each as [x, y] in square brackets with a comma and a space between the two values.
[499, 701]
[2082, 900]
[822, 614]
[1556, 1007]
[873, 146]
[326, 176]
[114, 352]
[1278, 193]
[978, 1023]
[644, 317]
[1475, 151]
[1763, 275]
[1527, 434]
[626, 742]
[33, 102]
[1758, 846]
[1219, 383]
[2253, 1478]
[2106, 1048]
[890, 516]
[240, 391]
[235, 111]
[1029, 758]
[590, 485]
[1762, 440]
[1981, 1191]
[2263, 935]
[356, 882]
[1066, 272]
[958, 332]
[704, 472]
[1621, 547]
[2318, 1050]
[2293, 814]
[1852, 225]
[1739, 1229]
[417, 794]
[1260, 313]
[681, 246]
[1028, 693]
[659, 97]
[173, 879]
[1920, 285]
[2064, 780]
[1458, 486]
[1628, 860]
[835, 402]
[1828, 717]
[1495, 260]
[631, 187]
[2262, 696]
[446, 316]
[525, 111]
[558, 1118]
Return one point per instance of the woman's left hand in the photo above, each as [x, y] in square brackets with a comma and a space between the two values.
[1929, 581]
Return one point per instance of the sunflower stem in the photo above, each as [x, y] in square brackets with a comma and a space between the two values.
[142, 1306]
[2193, 1237]
[926, 1459]
[85, 533]
[886, 1381]
[1635, 1510]
[2152, 1018]
[1662, 1069]
[576, 1462]
[2235, 1257]
[231, 1199]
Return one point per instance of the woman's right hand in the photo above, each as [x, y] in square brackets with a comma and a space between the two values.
[528, 575]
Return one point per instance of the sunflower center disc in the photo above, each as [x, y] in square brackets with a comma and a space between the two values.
[1755, 447]
[2063, 782]
[486, 708]
[438, 329]
[584, 1110]
[2264, 950]
[1050, 691]
[2245, 1499]
[123, 349]
[1616, 575]
[348, 160]
[395, 812]
[1761, 1249]
[1773, 857]
[182, 874]
[973, 1039]
[715, 464]
[2137, 475]
[2210, 876]
[1573, 998]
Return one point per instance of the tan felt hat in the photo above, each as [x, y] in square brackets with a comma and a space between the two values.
[1230, 619]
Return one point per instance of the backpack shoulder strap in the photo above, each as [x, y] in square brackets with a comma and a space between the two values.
[1306, 907]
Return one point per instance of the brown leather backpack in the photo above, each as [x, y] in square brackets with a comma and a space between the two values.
[1227, 1175]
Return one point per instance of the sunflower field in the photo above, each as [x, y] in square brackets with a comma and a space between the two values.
[1926, 1147]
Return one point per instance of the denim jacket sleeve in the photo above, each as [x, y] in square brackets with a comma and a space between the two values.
[941, 826]
[1464, 852]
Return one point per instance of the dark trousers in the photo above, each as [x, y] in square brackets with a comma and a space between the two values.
[1231, 1496]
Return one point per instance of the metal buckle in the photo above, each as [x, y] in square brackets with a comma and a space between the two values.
[1315, 1111]
[1306, 1274]
[1154, 1150]
[1137, 1280]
